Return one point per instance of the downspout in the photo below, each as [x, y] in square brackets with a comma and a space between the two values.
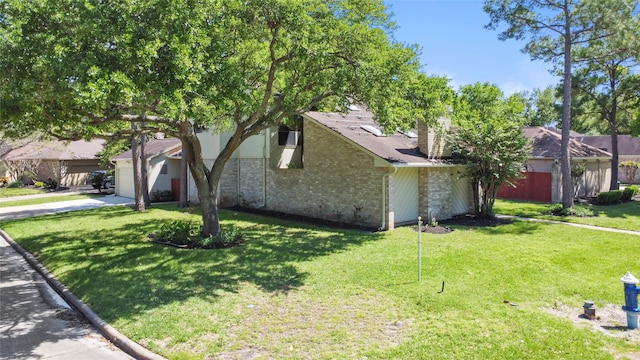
[264, 168]
[383, 224]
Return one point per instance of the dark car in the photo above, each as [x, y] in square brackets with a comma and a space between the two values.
[100, 179]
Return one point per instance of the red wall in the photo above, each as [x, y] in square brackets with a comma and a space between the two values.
[536, 186]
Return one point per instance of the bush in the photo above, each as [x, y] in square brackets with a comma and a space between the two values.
[39, 184]
[51, 184]
[179, 232]
[162, 196]
[629, 192]
[230, 236]
[15, 184]
[187, 233]
[579, 211]
[4, 180]
[610, 197]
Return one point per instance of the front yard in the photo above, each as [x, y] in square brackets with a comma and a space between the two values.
[298, 291]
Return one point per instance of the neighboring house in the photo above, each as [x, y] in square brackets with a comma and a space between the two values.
[340, 167]
[69, 163]
[543, 180]
[162, 159]
[628, 150]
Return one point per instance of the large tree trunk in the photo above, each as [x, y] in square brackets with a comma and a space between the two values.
[137, 177]
[144, 168]
[206, 180]
[184, 167]
[565, 166]
[613, 130]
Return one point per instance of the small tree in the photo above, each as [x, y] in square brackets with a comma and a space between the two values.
[577, 171]
[630, 169]
[489, 141]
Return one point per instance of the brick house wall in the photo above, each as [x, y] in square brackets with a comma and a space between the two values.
[337, 181]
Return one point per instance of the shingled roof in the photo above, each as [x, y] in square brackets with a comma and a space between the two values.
[627, 145]
[547, 144]
[153, 148]
[55, 150]
[396, 148]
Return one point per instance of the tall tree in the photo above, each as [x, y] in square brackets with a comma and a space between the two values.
[489, 139]
[543, 107]
[86, 68]
[605, 85]
[555, 28]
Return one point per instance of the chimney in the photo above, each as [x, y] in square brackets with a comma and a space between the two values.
[431, 139]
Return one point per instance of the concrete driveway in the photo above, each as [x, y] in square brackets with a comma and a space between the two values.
[35, 322]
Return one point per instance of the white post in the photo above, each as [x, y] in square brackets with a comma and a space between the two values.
[419, 246]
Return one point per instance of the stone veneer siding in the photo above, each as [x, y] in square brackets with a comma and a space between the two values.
[338, 181]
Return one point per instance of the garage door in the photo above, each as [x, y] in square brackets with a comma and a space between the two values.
[124, 182]
[405, 195]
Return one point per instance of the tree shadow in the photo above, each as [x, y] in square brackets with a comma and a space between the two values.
[119, 273]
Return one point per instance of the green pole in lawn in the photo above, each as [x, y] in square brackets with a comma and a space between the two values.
[419, 246]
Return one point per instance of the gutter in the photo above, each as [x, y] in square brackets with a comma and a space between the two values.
[383, 224]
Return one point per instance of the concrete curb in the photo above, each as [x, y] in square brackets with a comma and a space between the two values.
[118, 339]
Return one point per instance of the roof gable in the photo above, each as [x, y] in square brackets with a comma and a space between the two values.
[153, 148]
[627, 144]
[547, 144]
[355, 126]
[55, 150]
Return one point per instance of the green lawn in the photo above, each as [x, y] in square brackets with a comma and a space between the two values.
[299, 291]
[44, 200]
[621, 216]
[8, 192]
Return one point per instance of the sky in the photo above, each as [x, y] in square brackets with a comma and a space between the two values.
[455, 44]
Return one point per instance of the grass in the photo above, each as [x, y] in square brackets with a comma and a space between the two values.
[8, 192]
[624, 216]
[299, 291]
[37, 201]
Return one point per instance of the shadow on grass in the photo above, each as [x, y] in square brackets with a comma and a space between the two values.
[517, 227]
[119, 273]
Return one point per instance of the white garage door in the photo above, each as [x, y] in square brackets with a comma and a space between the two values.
[405, 195]
[462, 196]
[124, 182]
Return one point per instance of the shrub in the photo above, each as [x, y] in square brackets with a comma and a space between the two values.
[610, 197]
[39, 184]
[230, 236]
[4, 180]
[629, 192]
[187, 233]
[15, 184]
[161, 196]
[179, 232]
[51, 184]
[579, 211]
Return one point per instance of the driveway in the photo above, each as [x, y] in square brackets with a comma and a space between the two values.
[35, 322]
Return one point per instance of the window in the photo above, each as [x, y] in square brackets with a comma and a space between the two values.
[164, 170]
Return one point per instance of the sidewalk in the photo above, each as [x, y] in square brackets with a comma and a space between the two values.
[35, 322]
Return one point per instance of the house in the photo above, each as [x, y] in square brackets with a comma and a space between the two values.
[628, 150]
[69, 163]
[162, 159]
[543, 181]
[343, 168]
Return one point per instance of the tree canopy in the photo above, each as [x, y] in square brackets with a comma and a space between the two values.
[82, 69]
[489, 140]
[555, 30]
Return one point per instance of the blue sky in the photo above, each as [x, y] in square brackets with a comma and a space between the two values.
[455, 44]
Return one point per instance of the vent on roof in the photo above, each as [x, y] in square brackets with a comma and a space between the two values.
[372, 130]
[409, 133]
